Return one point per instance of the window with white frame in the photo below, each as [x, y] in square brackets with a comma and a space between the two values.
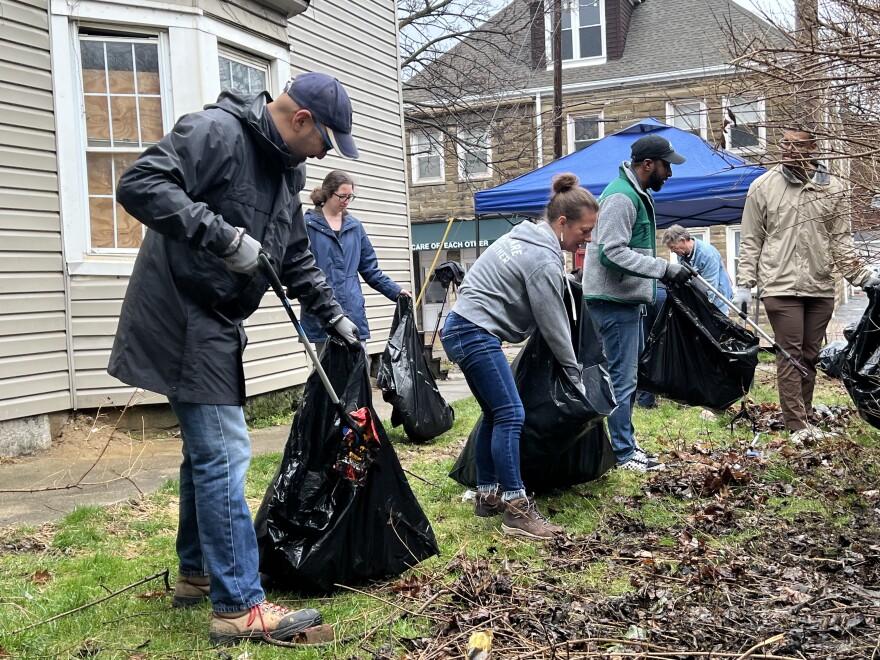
[426, 149]
[474, 154]
[744, 124]
[122, 96]
[584, 130]
[734, 237]
[582, 30]
[688, 115]
[240, 73]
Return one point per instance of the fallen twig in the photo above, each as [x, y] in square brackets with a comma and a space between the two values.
[162, 574]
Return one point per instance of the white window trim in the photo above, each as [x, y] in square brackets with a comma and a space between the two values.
[702, 233]
[569, 126]
[253, 61]
[462, 152]
[185, 36]
[575, 61]
[413, 159]
[762, 128]
[731, 250]
[704, 114]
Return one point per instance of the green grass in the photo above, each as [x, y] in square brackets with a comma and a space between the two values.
[95, 550]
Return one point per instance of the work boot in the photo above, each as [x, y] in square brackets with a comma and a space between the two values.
[263, 620]
[522, 518]
[190, 590]
[488, 505]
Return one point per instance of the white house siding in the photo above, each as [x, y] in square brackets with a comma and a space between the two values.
[33, 338]
[356, 41]
[274, 359]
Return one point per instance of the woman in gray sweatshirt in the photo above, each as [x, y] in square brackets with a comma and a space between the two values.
[514, 288]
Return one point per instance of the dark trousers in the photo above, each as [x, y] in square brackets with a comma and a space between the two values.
[799, 327]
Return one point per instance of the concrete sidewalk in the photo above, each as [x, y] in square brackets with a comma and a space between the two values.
[61, 478]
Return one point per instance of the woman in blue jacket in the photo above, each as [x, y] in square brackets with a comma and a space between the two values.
[343, 250]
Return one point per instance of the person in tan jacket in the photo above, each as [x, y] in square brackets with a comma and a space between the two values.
[796, 244]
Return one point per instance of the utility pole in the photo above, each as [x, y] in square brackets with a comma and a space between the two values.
[557, 79]
[806, 25]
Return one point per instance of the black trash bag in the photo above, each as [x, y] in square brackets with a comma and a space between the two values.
[316, 528]
[860, 370]
[563, 441]
[831, 358]
[407, 383]
[696, 355]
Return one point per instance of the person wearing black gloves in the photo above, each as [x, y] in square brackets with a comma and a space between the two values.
[217, 190]
[621, 269]
[514, 288]
[343, 251]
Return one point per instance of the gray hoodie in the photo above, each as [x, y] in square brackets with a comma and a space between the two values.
[516, 286]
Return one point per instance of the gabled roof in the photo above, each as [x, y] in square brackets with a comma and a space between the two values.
[664, 36]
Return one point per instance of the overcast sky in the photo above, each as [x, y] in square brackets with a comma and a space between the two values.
[774, 8]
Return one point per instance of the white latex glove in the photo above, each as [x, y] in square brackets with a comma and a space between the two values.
[742, 298]
[347, 330]
[244, 255]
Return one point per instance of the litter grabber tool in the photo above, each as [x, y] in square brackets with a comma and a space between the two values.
[785, 354]
[359, 438]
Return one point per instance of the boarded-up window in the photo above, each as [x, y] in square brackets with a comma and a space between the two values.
[240, 74]
[122, 96]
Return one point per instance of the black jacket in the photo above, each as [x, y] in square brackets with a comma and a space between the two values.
[180, 331]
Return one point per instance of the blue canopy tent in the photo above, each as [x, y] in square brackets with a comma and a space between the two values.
[709, 189]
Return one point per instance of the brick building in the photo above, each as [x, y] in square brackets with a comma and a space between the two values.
[482, 114]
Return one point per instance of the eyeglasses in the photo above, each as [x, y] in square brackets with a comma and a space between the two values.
[327, 143]
[345, 198]
[797, 144]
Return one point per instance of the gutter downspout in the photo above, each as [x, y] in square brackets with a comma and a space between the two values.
[539, 129]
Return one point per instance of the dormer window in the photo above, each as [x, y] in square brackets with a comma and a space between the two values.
[583, 32]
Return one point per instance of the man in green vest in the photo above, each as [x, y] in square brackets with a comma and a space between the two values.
[621, 269]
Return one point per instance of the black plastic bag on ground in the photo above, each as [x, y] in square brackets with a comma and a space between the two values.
[315, 528]
[563, 441]
[860, 370]
[407, 383]
[695, 354]
[831, 358]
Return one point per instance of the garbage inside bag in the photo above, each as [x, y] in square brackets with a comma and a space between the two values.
[316, 528]
[407, 383]
[358, 449]
[563, 441]
[831, 358]
[860, 370]
[696, 355]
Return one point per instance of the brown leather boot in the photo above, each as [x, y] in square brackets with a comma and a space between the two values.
[189, 591]
[488, 505]
[262, 621]
[522, 518]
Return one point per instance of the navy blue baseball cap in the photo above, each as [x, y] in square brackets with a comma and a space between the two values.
[327, 100]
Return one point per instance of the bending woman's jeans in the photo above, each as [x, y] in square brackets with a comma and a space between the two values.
[489, 377]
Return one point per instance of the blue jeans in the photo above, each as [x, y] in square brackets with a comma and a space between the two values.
[478, 353]
[215, 533]
[620, 326]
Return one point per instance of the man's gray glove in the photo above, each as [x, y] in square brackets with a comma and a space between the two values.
[742, 298]
[347, 330]
[243, 252]
[676, 274]
[871, 283]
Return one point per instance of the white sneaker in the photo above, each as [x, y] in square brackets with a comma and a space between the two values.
[638, 462]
